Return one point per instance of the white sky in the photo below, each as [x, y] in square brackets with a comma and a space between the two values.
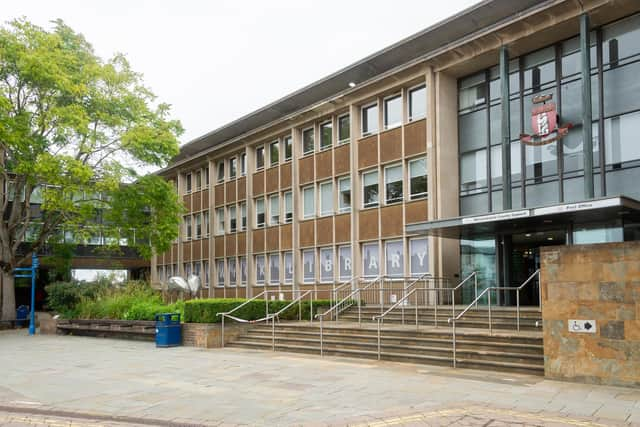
[215, 61]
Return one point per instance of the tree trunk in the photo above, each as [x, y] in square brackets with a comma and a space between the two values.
[8, 296]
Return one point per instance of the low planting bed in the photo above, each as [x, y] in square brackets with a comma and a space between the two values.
[144, 330]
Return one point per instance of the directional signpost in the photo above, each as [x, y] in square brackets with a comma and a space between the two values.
[30, 272]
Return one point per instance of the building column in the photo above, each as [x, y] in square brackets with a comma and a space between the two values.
[506, 132]
[356, 196]
[587, 137]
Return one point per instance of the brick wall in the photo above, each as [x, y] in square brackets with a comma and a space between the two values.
[592, 282]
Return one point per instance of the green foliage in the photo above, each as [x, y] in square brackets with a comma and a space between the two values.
[206, 310]
[101, 300]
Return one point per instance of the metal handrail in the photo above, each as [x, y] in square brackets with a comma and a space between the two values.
[335, 307]
[341, 285]
[474, 274]
[380, 318]
[487, 291]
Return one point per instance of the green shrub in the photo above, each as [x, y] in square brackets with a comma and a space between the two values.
[206, 310]
[64, 297]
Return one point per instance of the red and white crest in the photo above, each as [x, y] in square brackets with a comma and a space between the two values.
[544, 119]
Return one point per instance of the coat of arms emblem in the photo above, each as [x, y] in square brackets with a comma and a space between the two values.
[544, 122]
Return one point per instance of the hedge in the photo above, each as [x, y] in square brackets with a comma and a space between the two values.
[206, 310]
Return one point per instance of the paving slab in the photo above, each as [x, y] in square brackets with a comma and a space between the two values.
[95, 380]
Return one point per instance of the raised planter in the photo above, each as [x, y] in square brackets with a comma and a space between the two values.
[144, 330]
[208, 335]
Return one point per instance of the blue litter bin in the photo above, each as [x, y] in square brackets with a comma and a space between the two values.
[22, 313]
[168, 330]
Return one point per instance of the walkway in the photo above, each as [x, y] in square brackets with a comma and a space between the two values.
[90, 381]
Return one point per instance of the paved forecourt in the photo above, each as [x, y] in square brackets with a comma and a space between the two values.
[91, 381]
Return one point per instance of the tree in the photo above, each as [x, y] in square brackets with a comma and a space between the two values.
[73, 129]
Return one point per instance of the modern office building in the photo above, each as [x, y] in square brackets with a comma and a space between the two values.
[466, 147]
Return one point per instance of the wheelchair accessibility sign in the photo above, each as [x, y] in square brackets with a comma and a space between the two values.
[582, 326]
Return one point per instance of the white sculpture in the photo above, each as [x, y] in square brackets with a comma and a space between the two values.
[191, 285]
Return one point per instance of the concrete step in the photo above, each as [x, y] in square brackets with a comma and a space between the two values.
[527, 325]
[473, 363]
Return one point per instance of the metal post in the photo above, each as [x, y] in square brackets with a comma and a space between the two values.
[32, 319]
[311, 309]
[539, 292]
[587, 136]
[300, 309]
[417, 326]
[490, 329]
[435, 310]
[321, 349]
[505, 135]
[475, 279]
[454, 341]
[273, 333]
[378, 338]
[453, 303]
[381, 296]
[518, 309]
[359, 309]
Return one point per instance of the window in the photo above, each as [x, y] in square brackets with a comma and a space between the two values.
[187, 183]
[370, 260]
[344, 194]
[393, 184]
[309, 264]
[417, 103]
[392, 112]
[220, 219]
[260, 212]
[232, 219]
[326, 135]
[260, 269]
[198, 180]
[308, 144]
[308, 200]
[344, 258]
[259, 157]
[326, 265]
[198, 218]
[370, 189]
[206, 177]
[288, 207]
[187, 269]
[326, 198]
[197, 268]
[274, 209]
[243, 164]
[233, 278]
[288, 148]
[205, 267]
[233, 167]
[243, 270]
[274, 153]
[418, 261]
[394, 257]
[369, 119]
[220, 273]
[417, 178]
[187, 227]
[344, 129]
[243, 216]
[205, 220]
[220, 171]
[288, 267]
[274, 269]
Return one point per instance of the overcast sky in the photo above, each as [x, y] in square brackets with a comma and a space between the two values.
[215, 61]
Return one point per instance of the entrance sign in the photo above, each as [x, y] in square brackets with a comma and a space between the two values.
[582, 326]
[581, 206]
[544, 122]
[496, 217]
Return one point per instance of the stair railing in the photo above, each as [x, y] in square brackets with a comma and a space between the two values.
[335, 309]
[265, 293]
[401, 303]
[341, 286]
[453, 291]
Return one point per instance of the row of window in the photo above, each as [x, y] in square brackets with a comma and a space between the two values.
[196, 180]
[392, 111]
[197, 268]
[196, 226]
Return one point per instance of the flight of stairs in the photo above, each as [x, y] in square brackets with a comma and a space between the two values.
[504, 351]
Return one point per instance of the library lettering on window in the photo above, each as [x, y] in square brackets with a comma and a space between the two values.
[464, 148]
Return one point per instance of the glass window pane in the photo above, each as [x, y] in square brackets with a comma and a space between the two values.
[621, 88]
[326, 198]
[620, 136]
[288, 267]
[370, 189]
[417, 103]
[344, 196]
[344, 129]
[344, 253]
[393, 183]
[326, 135]
[274, 269]
[473, 170]
[220, 271]
[259, 157]
[308, 145]
[418, 178]
[260, 269]
[288, 148]
[220, 171]
[231, 263]
[370, 260]
[369, 120]
[472, 91]
[220, 216]
[274, 210]
[232, 219]
[621, 39]
[260, 212]
[243, 164]
[233, 166]
[308, 200]
[288, 207]
[243, 270]
[392, 112]
[394, 257]
[274, 153]
[326, 265]
[473, 130]
[419, 261]
[243, 215]
[309, 265]
[541, 161]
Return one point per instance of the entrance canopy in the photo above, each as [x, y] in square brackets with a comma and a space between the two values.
[532, 219]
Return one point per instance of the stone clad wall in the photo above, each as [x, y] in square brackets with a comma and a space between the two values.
[592, 282]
